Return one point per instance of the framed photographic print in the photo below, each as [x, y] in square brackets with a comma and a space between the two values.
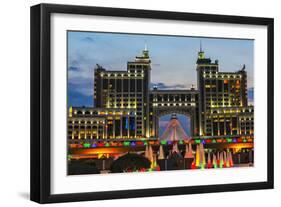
[132, 103]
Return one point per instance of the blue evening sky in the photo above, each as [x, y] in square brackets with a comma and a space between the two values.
[173, 59]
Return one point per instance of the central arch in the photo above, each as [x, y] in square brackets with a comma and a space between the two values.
[174, 127]
[162, 111]
[165, 102]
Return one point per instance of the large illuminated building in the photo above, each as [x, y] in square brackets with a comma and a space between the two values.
[125, 107]
[126, 90]
[223, 102]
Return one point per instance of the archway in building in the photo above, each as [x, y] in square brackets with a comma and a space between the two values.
[186, 117]
[174, 127]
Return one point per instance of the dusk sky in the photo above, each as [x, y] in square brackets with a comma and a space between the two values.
[173, 59]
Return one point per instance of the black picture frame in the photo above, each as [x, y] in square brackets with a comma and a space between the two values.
[41, 95]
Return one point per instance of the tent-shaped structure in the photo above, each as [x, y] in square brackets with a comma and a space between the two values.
[174, 131]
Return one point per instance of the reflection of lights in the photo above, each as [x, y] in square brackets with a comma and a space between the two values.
[163, 142]
[100, 144]
[86, 145]
[151, 142]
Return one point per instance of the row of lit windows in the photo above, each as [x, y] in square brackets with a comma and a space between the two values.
[101, 112]
[92, 131]
[138, 66]
[214, 100]
[221, 123]
[225, 116]
[246, 132]
[210, 67]
[247, 119]
[124, 105]
[173, 99]
[217, 96]
[113, 75]
[221, 89]
[248, 126]
[222, 120]
[84, 137]
[223, 102]
[132, 95]
[222, 76]
[88, 125]
[86, 122]
[182, 96]
[132, 70]
[125, 99]
[83, 126]
[174, 104]
[221, 95]
[233, 111]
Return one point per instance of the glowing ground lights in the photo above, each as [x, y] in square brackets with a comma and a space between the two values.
[219, 159]
[141, 143]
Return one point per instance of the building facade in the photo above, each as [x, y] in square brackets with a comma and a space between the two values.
[100, 123]
[126, 90]
[126, 107]
[224, 93]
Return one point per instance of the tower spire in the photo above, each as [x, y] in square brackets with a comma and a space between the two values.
[145, 52]
[144, 56]
[145, 46]
[201, 54]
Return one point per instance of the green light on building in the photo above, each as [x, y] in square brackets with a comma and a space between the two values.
[86, 145]
[229, 140]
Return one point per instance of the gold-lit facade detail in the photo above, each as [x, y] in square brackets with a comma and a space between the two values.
[100, 123]
[223, 101]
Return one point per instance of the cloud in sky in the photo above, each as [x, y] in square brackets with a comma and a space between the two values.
[73, 68]
[88, 39]
[77, 97]
[165, 86]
